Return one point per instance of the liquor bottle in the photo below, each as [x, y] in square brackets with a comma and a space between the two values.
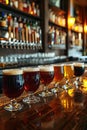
[3, 33]
[25, 31]
[39, 36]
[37, 10]
[53, 35]
[32, 32]
[10, 28]
[29, 32]
[15, 32]
[49, 36]
[35, 31]
[15, 4]
[25, 6]
[11, 3]
[57, 36]
[20, 5]
[20, 27]
[33, 8]
[29, 8]
[3, 19]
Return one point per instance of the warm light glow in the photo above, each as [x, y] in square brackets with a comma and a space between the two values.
[85, 28]
[78, 28]
[71, 21]
[7, 2]
[85, 84]
[71, 92]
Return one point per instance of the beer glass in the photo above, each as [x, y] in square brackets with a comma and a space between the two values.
[31, 84]
[46, 77]
[78, 72]
[58, 76]
[13, 87]
[58, 72]
[68, 74]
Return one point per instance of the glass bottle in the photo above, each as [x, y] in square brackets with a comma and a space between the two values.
[3, 21]
[37, 10]
[29, 9]
[33, 8]
[29, 33]
[10, 28]
[15, 32]
[20, 5]
[25, 6]
[20, 27]
[16, 4]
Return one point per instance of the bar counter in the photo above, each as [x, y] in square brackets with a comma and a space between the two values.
[59, 112]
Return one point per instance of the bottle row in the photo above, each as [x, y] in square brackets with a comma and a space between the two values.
[26, 6]
[56, 18]
[76, 39]
[20, 32]
[56, 36]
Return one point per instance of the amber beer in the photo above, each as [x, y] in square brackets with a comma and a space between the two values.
[31, 79]
[58, 72]
[13, 82]
[46, 74]
[68, 71]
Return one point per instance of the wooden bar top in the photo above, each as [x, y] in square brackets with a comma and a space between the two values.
[59, 112]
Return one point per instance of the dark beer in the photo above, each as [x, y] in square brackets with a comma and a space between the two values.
[79, 69]
[31, 79]
[13, 83]
[47, 74]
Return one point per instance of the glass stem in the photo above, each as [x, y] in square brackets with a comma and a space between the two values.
[77, 83]
[46, 88]
[30, 95]
[13, 103]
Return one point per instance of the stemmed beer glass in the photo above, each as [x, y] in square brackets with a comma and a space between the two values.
[31, 84]
[46, 77]
[58, 73]
[68, 74]
[58, 77]
[13, 87]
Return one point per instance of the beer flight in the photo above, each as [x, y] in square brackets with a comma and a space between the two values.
[29, 79]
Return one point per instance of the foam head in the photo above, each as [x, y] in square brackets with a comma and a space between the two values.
[13, 72]
[46, 68]
[30, 69]
[78, 64]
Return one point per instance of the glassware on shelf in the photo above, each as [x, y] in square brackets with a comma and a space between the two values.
[31, 84]
[46, 76]
[13, 87]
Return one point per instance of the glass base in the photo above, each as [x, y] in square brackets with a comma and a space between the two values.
[31, 100]
[46, 94]
[15, 107]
